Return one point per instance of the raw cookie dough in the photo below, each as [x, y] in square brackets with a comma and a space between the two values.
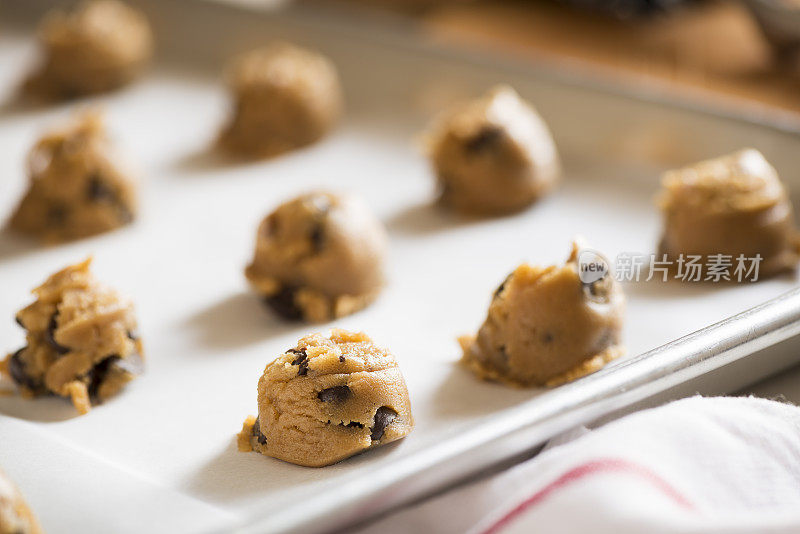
[99, 46]
[731, 205]
[285, 97]
[76, 189]
[327, 399]
[546, 327]
[15, 516]
[81, 340]
[493, 155]
[319, 256]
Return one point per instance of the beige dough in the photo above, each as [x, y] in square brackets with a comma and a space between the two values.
[493, 155]
[546, 327]
[731, 205]
[76, 189]
[285, 97]
[15, 516]
[319, 256]
[99, 46]
[327, 399]
[81, 340]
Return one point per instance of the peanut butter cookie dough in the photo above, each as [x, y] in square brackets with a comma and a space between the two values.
[493, 155]
[733, 205]
[327, 399]
[99, 46]
[15, 516]
[319, 256]
[546, 327]
[81, 340]
[76, 189]
[285, 97]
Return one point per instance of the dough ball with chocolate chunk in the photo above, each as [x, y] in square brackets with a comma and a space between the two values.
[545, 326]
[15, 516]
[318, 257]
[327, 399]
[285, 97]
[81, 340]
[733, 205]
[493, 155]
[76, 187]
[98, 46]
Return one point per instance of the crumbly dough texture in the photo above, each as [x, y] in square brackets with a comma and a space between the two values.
[15, 516]
[76, 188]
[327, 399]
[319, 256]
[731, 205]
[99, 46]
[493, 155]
[546, 327]
[81, 340]
[285, 97]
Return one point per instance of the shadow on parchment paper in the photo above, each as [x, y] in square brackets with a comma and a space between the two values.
[461, 393]
[204, 159]
[232, 474]
[238, 320]
[40, 409]
[13, 244]
[428, 217]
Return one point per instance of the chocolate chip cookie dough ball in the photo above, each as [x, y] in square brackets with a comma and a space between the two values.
[15, 516]
[493, 155]
[285, 97]
[327, 399]
[76, 189]
[546, 327]
[81, 340]
[99, 46]
[318, 257]
[732, 205]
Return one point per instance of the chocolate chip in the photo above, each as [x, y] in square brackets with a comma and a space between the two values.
[301, 361]
[335, 394]
[262, 439]
[97, 374]
[57, 215]
[284, 305]
[486, 137]
[16, 368]
[383, 418]
[502, 286]
[547, 337]
[341, 358]
[599, 290]
[49, 335]
[317, 237]
[99, 191]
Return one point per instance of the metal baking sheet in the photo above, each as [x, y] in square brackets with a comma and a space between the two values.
[162, 456]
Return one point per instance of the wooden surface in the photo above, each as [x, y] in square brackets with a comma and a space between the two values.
[714, 48]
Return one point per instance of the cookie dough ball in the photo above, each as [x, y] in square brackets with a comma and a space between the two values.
[327, 399]
[493, 155]
[318, 257]
[81, 340]
[76, 189]
[732, 205]
[546, 327]
[15, 516]
[285, 97]
[99, 46]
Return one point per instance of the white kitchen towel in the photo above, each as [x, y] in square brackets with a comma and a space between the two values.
[698, 465]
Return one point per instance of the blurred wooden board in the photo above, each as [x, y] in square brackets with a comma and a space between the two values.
[715, 47]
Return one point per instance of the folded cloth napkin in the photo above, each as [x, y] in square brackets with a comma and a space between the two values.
[698, 465]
